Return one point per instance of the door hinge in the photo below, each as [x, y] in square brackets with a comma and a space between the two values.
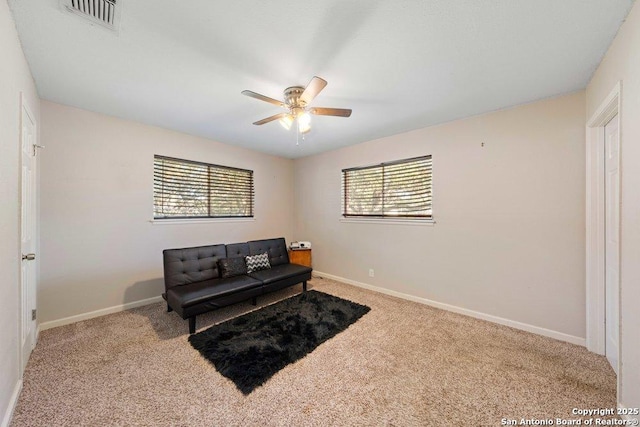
[35, 148]
[33, 314]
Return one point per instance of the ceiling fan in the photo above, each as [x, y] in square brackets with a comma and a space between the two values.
[296, 103]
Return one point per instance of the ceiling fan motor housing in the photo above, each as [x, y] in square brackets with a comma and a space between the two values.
[292, 97]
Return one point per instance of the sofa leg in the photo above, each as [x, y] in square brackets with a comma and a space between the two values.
[304, 286]
[192, 325]
[254, 301]
[169, 309]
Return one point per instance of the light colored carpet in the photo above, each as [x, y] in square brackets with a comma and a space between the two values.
[402, 364]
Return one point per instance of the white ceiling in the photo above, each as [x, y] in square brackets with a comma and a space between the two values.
[400, 65]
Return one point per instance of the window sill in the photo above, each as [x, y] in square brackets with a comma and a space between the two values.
[422, 222]
[198, 221]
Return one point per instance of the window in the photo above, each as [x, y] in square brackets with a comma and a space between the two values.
[186, 189]
[400, 189]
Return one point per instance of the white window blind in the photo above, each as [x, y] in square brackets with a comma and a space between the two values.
[399, 189]
[188, 189]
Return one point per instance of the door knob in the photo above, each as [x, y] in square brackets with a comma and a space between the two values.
[28, 257]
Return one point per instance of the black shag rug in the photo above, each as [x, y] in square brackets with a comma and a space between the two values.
[251, 348]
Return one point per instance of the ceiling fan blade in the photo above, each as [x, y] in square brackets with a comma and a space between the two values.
[340, 112]
[263, 98]
[270, 119]
[313, 89]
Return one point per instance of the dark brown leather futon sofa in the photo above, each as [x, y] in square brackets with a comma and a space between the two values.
[200, 279]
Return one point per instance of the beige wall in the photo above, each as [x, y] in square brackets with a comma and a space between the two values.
[510, 224]
[15, 78]
[622, 63]
[99, 248]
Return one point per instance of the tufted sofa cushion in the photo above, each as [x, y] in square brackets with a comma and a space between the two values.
[197, 293]
[276, 248]
[237, 250]
[280, 272]
[189, 265]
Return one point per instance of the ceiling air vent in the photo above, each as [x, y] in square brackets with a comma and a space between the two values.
[102, 12]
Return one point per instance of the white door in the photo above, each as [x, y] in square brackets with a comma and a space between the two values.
[612, 234]
[28, 236]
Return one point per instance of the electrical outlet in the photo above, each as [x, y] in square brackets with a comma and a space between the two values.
[371, 272]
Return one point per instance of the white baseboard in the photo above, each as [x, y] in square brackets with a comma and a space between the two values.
[97, 313]
[478, 315]
[6, 420]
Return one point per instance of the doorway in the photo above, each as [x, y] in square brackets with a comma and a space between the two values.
[612, 238]
[28, 234]
[603, 229]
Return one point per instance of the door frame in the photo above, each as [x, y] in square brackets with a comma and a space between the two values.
[595, 222]
[25, 109]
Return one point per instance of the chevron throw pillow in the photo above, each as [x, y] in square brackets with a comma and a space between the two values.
[257, 262]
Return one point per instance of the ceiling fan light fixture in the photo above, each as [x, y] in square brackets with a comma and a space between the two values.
[296, 104]
[286, 121]
[304, 122]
